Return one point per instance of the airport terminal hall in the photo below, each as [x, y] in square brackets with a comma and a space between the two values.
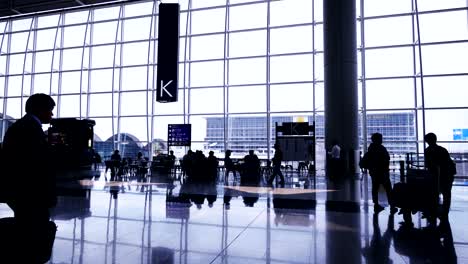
[233, 131]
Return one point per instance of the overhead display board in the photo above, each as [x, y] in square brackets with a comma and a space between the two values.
[179, 134]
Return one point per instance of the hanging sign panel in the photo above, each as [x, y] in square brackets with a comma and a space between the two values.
[168, 53]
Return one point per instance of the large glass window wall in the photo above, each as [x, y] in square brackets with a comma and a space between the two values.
[243, 66]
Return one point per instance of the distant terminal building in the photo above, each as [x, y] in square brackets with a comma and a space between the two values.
[246, 133]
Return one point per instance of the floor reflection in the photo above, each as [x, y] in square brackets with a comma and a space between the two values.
[192, 222]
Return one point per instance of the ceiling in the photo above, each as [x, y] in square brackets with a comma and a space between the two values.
[18, 7]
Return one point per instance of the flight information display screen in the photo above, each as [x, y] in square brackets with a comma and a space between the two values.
[179, 134]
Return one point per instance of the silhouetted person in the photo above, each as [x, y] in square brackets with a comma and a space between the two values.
[438, 162]
[141, 167]
[212, 164]
[277, 159]
[199, 167]
[29, 178]
[228, 165]
[377, 161]
[379, 249]
[172, 160]
[115, 164]
[96, 159]
[251, 170]
[335, 160]
[186, 165]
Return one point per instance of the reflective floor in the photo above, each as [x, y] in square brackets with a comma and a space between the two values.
[130, 222]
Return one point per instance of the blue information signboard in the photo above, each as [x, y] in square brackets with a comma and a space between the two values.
[460, 134]
[179, 134]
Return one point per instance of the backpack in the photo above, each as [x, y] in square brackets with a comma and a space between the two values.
[364, 162]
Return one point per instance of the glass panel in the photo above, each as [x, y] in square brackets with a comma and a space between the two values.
[3, 60]
[445, 122]
[134, 103]
[75, 36]
[256, 14]
[106, 13]
[101, 104]
[69, 106]
[246, 132]
[205, 101]
[28, 63]
[160, 126]
[134, 78]
[199, 131]
[206, 74]
[26, 85]
[208, 21]
[434, 5]
[103, 56]
[55, 81]
[290, 12]
[318, 10]
[291, 68]
[19, 42]
[135, 126]
[43, 61]
[135, 53]
[103, 128]
[138, 9]
[319, 67]
[14, 86]
[208, 3]
[21, 24]
[291, 97]
[71, 82]
[319, 96]
[397, 31]
[215, 135]
[137, 29]
[247, 99]
[47, 21]
[14, 107]
[247, 43]
[289, 40]
[2, 91]
[207, 47]
[434, 27]
[101, 80]
[16, 63]
[42, 83]
[247, 71]
[397, 127]
[395, 93]
[182, 23]
[76, 17]
[445, 91]
[105, 32]
[448, 58]
[375, 8]
[71, 59]
[46, 39]
[170, 108]
[389, 62]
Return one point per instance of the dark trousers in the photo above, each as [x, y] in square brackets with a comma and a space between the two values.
[383, 180]
[276, 171]
[33, 231]
[447, 194]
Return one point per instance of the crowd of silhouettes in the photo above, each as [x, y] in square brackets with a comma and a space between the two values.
[197, 167]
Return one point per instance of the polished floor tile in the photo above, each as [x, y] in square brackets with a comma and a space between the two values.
[123, 222]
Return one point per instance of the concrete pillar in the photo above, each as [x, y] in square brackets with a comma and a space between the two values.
[341, 94]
